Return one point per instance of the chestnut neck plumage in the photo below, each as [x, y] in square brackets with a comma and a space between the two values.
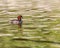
[19, 18]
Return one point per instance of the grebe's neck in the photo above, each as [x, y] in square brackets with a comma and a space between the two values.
[19, 19]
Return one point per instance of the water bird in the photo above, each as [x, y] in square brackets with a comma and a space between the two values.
[17, 21]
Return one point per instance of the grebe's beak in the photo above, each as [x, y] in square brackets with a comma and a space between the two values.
[21, 17]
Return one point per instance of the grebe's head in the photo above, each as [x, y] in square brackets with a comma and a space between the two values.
[19, 17]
